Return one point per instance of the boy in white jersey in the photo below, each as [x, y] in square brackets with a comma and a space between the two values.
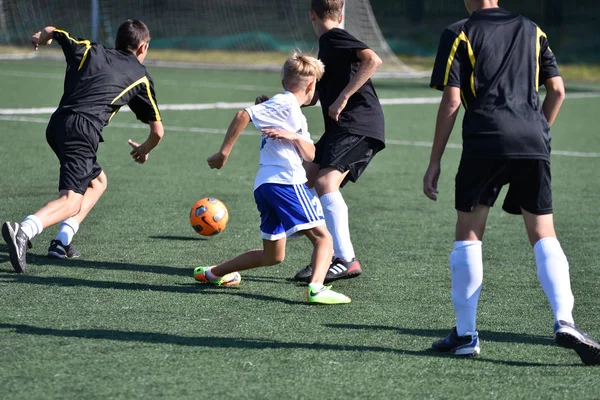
[285, 204]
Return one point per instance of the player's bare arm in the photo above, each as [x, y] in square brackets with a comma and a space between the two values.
[446, 118]
[305, 148]
[237, 126]
[140, 151]
[369, 62]
[555, 95]
[43, 37]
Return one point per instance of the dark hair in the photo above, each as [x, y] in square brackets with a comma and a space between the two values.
[131, 34]
[327, 9]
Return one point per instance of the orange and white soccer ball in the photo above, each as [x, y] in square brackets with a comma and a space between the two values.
[209, 216]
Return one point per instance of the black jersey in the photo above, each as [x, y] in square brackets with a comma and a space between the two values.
[99, 81]
[363, 114]
[498, 60]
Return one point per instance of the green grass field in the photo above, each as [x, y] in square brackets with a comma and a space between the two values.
[128, 321]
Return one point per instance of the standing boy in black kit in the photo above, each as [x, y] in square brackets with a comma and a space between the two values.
[354, 128]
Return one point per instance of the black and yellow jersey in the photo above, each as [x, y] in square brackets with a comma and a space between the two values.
[99, 81]
[498, 60]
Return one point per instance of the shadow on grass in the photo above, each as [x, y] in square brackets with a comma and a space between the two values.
[188, 288]
[181, 238]
[34, 260]
[234, 343]
[492, 336]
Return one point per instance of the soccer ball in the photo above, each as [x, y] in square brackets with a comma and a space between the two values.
[209, 216]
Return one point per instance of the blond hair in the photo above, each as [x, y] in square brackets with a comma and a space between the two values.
[299, 69]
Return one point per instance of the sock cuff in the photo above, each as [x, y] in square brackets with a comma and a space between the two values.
[315, 286]
[72, 222]
[546, 243]
[37, 222]
[329, 198]
[459, 244]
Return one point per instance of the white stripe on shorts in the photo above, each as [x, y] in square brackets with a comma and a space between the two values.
[310, 217]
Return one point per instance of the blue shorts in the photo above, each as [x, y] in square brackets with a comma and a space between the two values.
[286, 210]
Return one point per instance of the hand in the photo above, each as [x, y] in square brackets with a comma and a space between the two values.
[336, 108]
[139, 152]
[35, 40]
[261, 99]
[281, 134]
[217, 160]
[430, 181]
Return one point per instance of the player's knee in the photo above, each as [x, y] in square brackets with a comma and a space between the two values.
[273, 259]
[73, 204]
[100, 183]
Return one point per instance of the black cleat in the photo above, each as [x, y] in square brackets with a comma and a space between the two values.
[59, 250]
[17, 243]
[340, 269]
[569, 337]
[305, 274]
[467, 345]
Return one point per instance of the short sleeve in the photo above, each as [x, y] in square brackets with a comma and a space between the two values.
[446, 70]
[144, 104]
[548, 65]
[273, 113]
[75, 50]
[347, 44]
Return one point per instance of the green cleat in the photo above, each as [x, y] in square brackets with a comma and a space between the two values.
[325, 295]
[231, 279]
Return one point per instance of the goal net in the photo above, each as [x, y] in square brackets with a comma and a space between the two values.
[182, 27]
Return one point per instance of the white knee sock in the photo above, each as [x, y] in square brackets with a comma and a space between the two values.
[68, 229]
[336, 219]
[32, 226]
[466, 265]
[553, 274]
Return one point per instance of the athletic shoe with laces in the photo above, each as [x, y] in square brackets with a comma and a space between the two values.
[569, 337]
[467, 345]
[59, 250]
[305, 274]
[340, 269]
[325, 296]
[231, 279]
[17, 243]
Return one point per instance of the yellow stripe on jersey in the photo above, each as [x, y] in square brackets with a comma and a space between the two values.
[86, 43]
[145, 81]
[461, 38]
[538, 49]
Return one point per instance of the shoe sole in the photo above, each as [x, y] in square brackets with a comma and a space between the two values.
[588, 352]
[8, 237]
[468, 352]
[52, 254]
[349, 275]
[329, 303]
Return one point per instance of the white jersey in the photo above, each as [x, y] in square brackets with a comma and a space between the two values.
[280, 162]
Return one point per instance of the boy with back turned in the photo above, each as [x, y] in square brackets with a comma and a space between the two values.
[494, 63]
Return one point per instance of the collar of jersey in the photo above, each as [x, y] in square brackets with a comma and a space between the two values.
[292, 94]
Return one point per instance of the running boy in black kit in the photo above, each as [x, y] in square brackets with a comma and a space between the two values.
[496, 61]
[98, 82]
[354, 128]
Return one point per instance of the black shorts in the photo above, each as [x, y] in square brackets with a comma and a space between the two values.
[346, 152]
[479, 182]
[75, 142]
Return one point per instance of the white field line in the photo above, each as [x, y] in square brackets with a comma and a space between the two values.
[255, 133]
[235, 106]
[169, 82]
